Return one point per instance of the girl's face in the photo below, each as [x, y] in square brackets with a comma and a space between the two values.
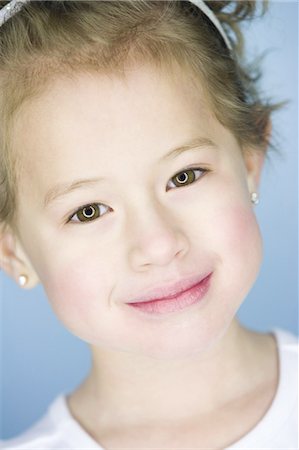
[145, 230]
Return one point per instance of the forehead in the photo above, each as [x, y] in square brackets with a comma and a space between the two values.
[138, 96]
[96, 119]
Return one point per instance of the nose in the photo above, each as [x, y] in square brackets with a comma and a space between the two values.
[154, 236]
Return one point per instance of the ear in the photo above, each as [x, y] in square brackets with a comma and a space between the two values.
[13, 259]
[254, 161]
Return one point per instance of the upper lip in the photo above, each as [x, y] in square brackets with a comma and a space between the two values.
[168, 291]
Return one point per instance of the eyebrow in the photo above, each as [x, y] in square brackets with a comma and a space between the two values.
[63, 189]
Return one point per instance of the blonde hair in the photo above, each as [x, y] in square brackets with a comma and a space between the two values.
[60, 38]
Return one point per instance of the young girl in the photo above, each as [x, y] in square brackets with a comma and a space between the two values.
[132, 144]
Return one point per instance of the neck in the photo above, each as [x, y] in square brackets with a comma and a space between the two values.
[130, 390]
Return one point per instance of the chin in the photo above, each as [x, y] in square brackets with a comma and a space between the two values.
[186, 345]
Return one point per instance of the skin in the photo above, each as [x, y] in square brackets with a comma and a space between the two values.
[148, 373]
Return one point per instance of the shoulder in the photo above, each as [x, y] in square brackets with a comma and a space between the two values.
[287, 395]
[280, 362]
[277, 428]
[44, 434]
[288, 348]
[286, 336]
[284, 368]
[284, 423]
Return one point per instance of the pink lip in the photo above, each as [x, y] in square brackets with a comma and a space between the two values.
[175, 302]
[170, 291]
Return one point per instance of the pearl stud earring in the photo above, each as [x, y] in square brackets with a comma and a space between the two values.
[254, 198]
[23, 280]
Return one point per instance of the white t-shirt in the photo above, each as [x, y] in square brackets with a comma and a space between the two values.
[278, 428]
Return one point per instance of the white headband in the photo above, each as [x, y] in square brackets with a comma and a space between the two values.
[15, 5]
[10, 9]
[209, 13]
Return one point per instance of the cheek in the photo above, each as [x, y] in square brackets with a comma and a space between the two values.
[233, 227]
[77, 292]
[241, 230]
[240, 247]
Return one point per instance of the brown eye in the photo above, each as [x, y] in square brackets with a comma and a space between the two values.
[88, 213]
[186, 177]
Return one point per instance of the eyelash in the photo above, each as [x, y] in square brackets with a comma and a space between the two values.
[192, 169]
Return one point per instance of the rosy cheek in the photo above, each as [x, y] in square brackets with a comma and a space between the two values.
[73, 292]
[234, 232]
[243, 225]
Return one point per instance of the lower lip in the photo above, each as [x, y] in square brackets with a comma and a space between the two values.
[181, 301]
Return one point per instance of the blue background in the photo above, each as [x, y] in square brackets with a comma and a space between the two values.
[40, 358]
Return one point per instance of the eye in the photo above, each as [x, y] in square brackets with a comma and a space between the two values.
[187, 176]
[88, 213]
